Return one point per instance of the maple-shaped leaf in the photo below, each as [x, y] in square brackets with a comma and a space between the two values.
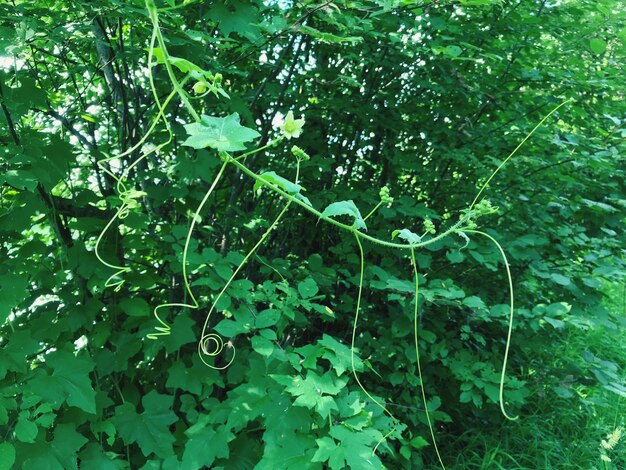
[58, 453]
[198, 454]
[149, 429]
[354, 449]
[225, 134]
[239, 17]
[310, 390]
[68, 382]
[93, 457]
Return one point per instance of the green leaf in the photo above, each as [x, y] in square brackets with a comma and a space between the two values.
[597, 46]
[105, 427]
[198, 454]
[349, 404]
[455, 256]
[453, 51]
[310, 389]
[339, 355]
[67, 442]
[560, 279]
[92, 457]
[60, 453]
[236, 17]
[400, 285]
[418, 442]
[135, 307]
[407, 235]
[268, 317]
[25, 430]
[188, 378]
[353, 451]
[68, 382]
[7, 456]
[230, 328]
[13, 289]
[556, 323]
[224, 134]
[346, 208]
[308, 288]
[13, 354]
[262, 345]
[282, 183]
[183, 65]
[150, 429]
[474, 302]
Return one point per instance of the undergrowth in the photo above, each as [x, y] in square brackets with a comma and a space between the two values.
[226, 136]
[584, 429]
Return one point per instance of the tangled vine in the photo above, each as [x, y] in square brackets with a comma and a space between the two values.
[205, 132]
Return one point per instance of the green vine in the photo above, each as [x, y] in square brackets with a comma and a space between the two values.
[211, 344]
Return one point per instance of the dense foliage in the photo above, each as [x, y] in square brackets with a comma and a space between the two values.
[424, 99]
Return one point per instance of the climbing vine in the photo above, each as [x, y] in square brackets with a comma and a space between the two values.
[275, 235]
[227, 135]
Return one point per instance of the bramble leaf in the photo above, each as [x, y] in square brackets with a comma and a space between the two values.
[308, 288]
[268, 317]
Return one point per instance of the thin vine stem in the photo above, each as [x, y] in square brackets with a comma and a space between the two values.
[125, 196]
[519, 146]
[352, 355]
[165, 328]
[454, 228]
[213, 339]
[417, 357]
[154, 17]
[207, 338]
[511, 312]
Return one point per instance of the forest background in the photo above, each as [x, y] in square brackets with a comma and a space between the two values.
[426, 100]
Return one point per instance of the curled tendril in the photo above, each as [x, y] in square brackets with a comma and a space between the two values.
[165, 328]
[212, 338]
[212, 345]
[128, 197]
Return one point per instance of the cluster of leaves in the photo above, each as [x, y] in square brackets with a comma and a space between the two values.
[423, 99]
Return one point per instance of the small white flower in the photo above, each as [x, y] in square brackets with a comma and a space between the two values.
[291, 127]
